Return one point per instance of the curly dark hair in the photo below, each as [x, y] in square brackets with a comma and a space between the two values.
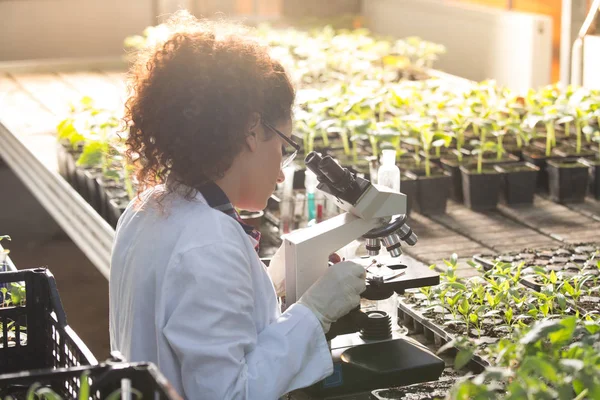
[192, 96]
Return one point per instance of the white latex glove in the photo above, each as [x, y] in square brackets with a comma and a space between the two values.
[335, 293]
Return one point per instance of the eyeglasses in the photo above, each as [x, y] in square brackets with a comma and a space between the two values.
[288, 154]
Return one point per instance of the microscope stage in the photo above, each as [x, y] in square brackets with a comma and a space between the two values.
[415, 274]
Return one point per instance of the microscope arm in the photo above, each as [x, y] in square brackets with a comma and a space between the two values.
[307, 251]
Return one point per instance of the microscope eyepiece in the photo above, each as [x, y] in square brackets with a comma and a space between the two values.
[312, 161]
[340, 177]
[335, 179]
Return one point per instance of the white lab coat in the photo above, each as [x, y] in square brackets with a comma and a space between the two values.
[189, 293]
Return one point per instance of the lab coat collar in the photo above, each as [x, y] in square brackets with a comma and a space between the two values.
[217, 199]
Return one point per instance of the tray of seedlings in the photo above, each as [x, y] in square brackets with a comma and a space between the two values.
[554, 359]
[571, 272]
[484, 308]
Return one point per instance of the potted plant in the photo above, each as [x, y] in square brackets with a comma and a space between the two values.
[581, 117]
[567, 180]
[452, 161]
[594, 167]
[433, 184]
[535, 156]
[481, 187]
[521, 134]
[518, 182]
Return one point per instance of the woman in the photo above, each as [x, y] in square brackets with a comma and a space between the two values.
[210, 126]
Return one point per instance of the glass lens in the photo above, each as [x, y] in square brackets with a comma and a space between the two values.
[289, 153]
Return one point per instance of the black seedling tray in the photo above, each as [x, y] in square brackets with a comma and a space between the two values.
[416, 322]
[103, 379]
[38, 335]
[487, 261]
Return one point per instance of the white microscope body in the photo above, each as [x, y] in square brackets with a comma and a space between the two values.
[365, 357]
[307, 251]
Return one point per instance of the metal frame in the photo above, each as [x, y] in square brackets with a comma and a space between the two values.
[76, 217]
[577, 50]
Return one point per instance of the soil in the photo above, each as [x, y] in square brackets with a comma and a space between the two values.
[472, 170]
[420, 391]
[516, 168]
[567, 164]
[434, 172]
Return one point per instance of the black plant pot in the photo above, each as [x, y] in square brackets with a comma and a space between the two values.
[299, 176]
[81, 183]
[481, 191]
[111, 192]
[452, 166]
[432, 191]
[93, 188]
[571, 152]
[594, 176]
[116, 208]
[568, 180]
[515, 151]
[408, 186]
[539, 159]
[490, 160]
[518, 182]
[71, 168]
[433, 158]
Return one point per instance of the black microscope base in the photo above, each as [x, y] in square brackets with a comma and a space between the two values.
[377, 365]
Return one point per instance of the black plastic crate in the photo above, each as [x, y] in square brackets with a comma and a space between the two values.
[34, 334]
[144, 379]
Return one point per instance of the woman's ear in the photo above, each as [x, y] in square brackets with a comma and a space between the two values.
[253, 129]
[254, 122]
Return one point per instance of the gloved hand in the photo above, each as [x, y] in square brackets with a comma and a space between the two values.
[335, 293]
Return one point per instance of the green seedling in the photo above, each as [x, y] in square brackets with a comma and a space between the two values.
[480, 149]
[555, 359]
[576, 287]
[14, 296]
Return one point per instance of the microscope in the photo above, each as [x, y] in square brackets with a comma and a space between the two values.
[367, 353]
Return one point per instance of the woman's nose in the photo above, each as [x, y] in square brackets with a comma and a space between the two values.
[281, 176]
